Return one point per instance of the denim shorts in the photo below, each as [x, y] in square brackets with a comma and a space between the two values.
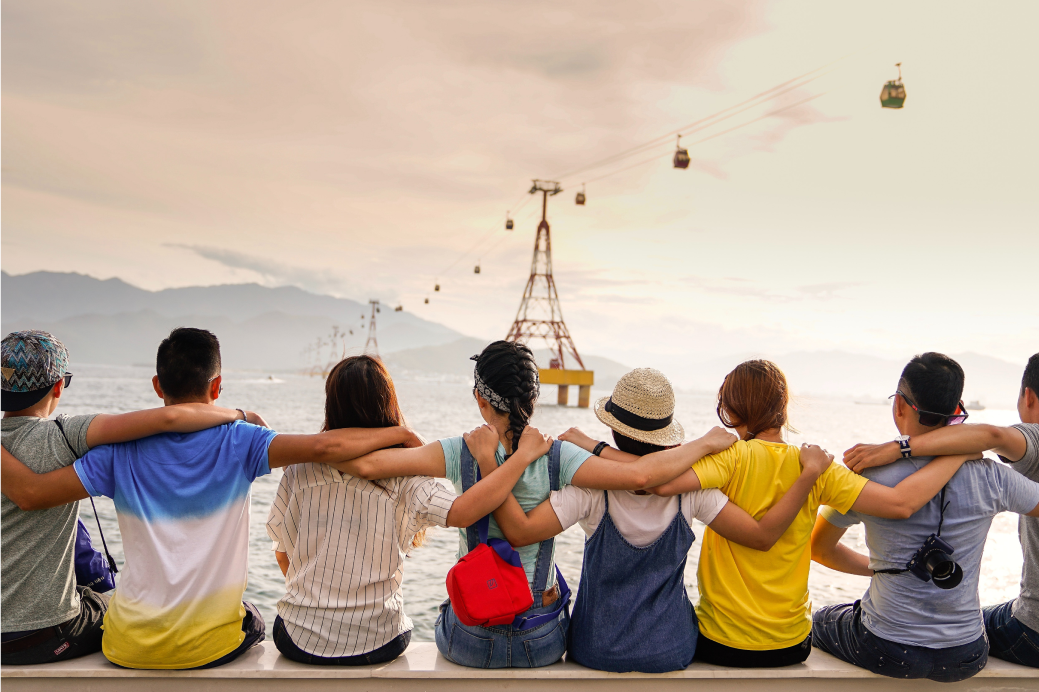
[501, 646]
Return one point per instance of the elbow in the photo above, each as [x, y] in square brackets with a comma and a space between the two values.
[643, 481]
[25, 502]
[903, 511]
[762, 544]
[366, 471]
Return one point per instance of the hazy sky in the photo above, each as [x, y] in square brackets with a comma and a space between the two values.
[359, 149]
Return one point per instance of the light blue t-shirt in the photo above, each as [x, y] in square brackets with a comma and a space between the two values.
[901, 607]
[531, 490]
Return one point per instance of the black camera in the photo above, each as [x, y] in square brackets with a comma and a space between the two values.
[933, 562]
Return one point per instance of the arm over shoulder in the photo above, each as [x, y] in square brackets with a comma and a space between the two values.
[251, 443]
[96, 471]
[839, 488]
[1028, 465]
[570, 459]
[715, 470]
[76, 431]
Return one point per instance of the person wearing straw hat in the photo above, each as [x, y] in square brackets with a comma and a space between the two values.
[632, 611]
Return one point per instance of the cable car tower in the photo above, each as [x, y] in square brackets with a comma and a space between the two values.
[371, 345]
[540, 316]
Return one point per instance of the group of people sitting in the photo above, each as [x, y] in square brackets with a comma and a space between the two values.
[356, 498]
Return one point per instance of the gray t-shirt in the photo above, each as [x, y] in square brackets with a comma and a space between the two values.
[38, 549]
[901, 607]
[1026, 608]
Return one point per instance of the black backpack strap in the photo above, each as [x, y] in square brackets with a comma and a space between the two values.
[104, 543]
[543, 566]
[468, 473]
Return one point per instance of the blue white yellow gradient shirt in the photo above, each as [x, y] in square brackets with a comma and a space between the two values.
[182, 501]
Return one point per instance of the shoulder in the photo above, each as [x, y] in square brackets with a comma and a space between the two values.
[705, 504]
[452, 447]
[569, 452]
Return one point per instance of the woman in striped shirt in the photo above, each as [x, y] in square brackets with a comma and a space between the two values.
[341, 541]
[506, 388]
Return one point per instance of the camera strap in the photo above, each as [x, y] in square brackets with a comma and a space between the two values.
[942, 506]
[108, 556]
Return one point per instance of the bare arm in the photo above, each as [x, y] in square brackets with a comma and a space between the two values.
[828, 551]
[30, 490]
[336, 446]
[686, 483]
[653, 469]
[951, 439]
[182, 418]
[427, 460]
[492, 490]
[736, 525]
[283, 561]
[902, 501]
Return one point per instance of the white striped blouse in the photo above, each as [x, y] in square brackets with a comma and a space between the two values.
[346, 540]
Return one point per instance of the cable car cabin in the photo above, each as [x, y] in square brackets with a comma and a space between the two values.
[436, 287]
[476, 269]
[399, 308]
[893, 95]
[427, 301]
[579, 199]
[682, 158]
[508, 224]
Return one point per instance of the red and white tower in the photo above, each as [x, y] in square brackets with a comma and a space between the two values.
[540, 316]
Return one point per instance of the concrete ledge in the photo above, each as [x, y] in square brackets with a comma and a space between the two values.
[423, 668]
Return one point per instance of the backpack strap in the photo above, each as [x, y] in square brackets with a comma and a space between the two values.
[543, 566]
[108, 555]
[476, 533]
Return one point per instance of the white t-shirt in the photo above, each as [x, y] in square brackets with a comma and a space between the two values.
[639, 518]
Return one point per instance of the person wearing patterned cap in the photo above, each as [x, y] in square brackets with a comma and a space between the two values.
[45, 615]
[182, 502]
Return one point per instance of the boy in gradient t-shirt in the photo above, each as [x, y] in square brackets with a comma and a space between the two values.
[183, 508]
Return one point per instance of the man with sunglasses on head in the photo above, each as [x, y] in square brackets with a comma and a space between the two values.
[1012, 627]
[921, 616]
[46, 616]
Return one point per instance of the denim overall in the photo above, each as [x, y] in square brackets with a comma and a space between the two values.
[632, 611]
[504, 646]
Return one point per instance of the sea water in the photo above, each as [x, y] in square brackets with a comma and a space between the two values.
[440, 407]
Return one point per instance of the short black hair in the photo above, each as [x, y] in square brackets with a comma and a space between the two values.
[636, 447]
[1030, 380]
[188, 359]
[934, 381]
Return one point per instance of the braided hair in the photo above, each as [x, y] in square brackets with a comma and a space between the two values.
[508, 369]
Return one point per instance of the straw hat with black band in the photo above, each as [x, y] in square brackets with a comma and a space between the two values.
[642, 407]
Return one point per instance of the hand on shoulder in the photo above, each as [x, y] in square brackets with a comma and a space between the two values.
[533, 444]
[815, 459]
[482, 442]
[718, 440]
[576, 436]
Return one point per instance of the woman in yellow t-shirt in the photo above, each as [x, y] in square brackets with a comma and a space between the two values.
[754, 608]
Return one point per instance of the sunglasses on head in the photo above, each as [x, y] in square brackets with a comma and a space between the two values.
[929, 419]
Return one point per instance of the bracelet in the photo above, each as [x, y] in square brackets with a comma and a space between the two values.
[244, 417]
[599, 447]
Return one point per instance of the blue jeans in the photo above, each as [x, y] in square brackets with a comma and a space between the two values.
[1009, 638]
[838, 630]
[501, 646]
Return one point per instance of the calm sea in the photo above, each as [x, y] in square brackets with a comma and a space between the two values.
[443, 407]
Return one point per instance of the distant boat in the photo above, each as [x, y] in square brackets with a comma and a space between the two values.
[974, 406]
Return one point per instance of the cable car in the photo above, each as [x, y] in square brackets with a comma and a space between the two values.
[893, 95]
[399, 308]
[508, 222]
[681, 155]
[379, 310]
[427, 301]
[436, 287]
[476, 269]
[580, 196]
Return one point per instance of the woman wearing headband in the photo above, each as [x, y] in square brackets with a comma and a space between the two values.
[506, 388]
[632, 611]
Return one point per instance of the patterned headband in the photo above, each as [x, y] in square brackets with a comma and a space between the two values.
[496, 400]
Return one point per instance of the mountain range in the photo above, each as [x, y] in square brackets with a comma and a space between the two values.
[289, 329]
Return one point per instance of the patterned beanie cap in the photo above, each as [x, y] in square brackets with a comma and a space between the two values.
[31, 362]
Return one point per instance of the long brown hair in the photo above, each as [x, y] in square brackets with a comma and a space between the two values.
[359, 393]
[754, 394]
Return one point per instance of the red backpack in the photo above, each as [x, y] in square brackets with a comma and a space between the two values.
[488, 585]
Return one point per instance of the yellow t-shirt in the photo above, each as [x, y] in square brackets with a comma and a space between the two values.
[759, 600]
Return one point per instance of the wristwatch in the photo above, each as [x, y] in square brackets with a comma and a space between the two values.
[903, 445]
